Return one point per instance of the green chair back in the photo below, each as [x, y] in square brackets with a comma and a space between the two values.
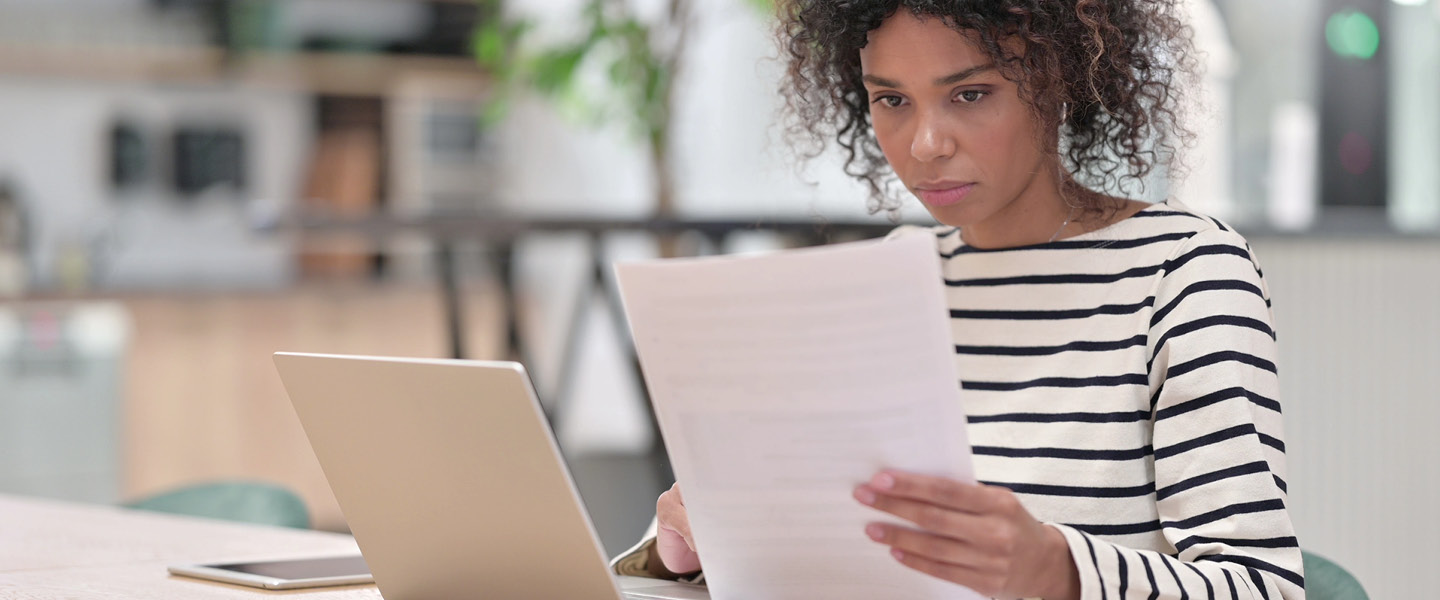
[1325, 580]
[245, 502]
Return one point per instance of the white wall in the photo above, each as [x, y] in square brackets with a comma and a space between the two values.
[1359, 338]
[1414, 32]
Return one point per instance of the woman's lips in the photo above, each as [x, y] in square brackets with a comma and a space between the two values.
[945, 196]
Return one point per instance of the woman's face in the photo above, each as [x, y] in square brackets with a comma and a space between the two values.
[954, 130]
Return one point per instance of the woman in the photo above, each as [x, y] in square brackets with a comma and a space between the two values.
[1117, 358]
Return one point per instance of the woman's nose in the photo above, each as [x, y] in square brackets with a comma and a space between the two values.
[933, 140]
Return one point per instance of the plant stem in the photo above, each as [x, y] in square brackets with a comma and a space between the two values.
[662, 130]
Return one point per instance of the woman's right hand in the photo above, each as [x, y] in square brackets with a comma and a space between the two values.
[673, 541]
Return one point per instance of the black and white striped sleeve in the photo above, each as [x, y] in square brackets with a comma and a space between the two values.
[1219, 458]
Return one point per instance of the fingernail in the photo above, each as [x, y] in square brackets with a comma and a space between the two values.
[865, 496]
[895, 552]
[883, 481]
[875, 532]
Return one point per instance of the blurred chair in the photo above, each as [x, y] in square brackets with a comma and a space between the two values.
[245, 502]
[1325, 580]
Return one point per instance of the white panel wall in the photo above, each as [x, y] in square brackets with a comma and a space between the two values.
[1359, 333]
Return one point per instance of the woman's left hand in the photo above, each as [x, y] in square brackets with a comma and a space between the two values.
[975, 535]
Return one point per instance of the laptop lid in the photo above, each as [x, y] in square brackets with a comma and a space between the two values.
[449, 477]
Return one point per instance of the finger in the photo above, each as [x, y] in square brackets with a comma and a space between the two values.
[682, 532]
[942, 491]
[674, 554]
[985, 583]
[672, 515]
[679, 523]
[930, 546]
[935, 519]
[668, 534]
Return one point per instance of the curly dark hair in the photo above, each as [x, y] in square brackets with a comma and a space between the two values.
[1114, 67]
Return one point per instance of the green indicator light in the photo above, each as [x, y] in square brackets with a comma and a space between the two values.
[1352, 34]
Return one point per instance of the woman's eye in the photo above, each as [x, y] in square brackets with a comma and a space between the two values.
[970, 96]
[890, 101]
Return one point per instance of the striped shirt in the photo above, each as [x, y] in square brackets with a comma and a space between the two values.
[1123, 384]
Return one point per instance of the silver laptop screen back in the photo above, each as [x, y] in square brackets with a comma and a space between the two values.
[448, 476]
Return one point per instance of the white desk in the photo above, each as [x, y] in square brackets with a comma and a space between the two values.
[58, 550]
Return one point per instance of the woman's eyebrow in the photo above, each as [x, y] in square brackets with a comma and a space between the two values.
[881, 81]
[950, 79]
[963, 75]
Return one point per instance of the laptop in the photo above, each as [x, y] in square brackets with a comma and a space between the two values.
[451, 480]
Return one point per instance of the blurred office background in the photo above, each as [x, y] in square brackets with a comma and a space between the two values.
[187, 186]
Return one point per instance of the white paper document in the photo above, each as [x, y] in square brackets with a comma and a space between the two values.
[781, 382]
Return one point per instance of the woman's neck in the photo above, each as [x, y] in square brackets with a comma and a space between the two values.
[1040, 213]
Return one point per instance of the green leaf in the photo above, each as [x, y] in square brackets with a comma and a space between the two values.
[554, 71]
[634, 68]
[619, 72]
[489, 45]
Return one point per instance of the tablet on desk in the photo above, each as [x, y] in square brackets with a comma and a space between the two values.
[284, 574]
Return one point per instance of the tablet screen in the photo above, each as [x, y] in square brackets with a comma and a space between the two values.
[310, 568]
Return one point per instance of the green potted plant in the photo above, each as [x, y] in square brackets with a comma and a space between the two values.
[642, 61]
